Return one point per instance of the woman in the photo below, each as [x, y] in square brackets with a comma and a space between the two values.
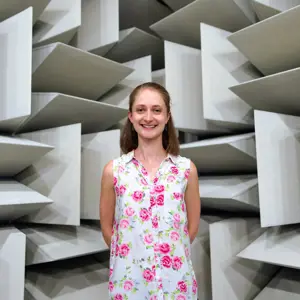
[150, 205]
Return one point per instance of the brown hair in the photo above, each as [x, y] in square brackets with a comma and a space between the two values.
[129, 137]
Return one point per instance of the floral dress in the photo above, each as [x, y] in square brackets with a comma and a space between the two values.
[150, 249]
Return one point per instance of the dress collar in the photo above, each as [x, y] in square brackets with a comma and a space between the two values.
[130, 156]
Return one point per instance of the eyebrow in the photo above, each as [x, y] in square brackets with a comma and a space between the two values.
[142, 105]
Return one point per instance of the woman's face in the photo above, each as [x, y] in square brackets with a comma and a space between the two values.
[149, 114]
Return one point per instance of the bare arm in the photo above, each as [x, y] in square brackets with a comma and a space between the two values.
[107, 203]
[192, 201]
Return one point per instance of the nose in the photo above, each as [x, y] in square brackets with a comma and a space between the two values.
[148, 116]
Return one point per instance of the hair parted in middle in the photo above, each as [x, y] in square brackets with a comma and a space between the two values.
[129, 137]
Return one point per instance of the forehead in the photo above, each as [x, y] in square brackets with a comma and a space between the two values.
[149, 97]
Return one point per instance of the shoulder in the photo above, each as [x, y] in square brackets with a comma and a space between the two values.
[181, 161]
[188, 164]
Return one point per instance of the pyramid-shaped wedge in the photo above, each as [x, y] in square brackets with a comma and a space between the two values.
[58, 22]
[223, 66]
[182, 26]
[278, 148]
[177, 4]
[183, 80]
[277, 246]
[12, 260]
[48, 243]
[227, 155]
[200, 255]
[56, 176]
[11, 8]
[267, 8]
[271, 50]
[231, 276]
[65, 69]
[97, 150]
[51, 110]
[19, 153]
[284, 285]
[119, 94]
[126, 48]
[15, 66]
[17, 200]
[98, 32]
[229, 193]
[80, 278]
[275, 93]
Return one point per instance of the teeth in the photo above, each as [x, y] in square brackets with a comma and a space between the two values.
[149, 126]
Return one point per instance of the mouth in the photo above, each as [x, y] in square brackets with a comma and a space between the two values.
[148, 126]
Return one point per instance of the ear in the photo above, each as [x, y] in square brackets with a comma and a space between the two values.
[130, 116]
[169, 115]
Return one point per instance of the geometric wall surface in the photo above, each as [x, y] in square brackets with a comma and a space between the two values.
[232, 68]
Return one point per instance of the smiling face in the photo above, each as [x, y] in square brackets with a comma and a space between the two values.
[149, 114]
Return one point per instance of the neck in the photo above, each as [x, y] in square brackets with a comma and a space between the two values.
[150, 150]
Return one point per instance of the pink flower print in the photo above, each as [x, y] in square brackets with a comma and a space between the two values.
[166, 261]
[118, 297]
[128, 285]
[174, 235]
[117, 250]
[195, 285]
[148, 238]
[124, 223]
[129, 211]
[156, 247]
[174, 170]
[155, 222]
[176, 225]
[144, 181]
[181, 297]
[135, 162]
[144, 171]
[115, 181]
[186, 174]
[194, 289]
[110, 286]
[171, 178]
[176, 217]
[177, 263]
[124, 250]
[122, 190]
[144, 214]
[121, 169]
[110, 271]
[152, 201]
[164, 248]
[186, 231]
[183, 206]
[153, 297]
[177, 196]
[195, 282]
[182, 286]
[153, 270]
[155, 180]
[187, 252]
[137, 196]
[160, 200]
[159, 188]
[148, 275]
[117, 190]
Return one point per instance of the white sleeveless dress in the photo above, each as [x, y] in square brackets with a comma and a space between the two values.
[150, 249]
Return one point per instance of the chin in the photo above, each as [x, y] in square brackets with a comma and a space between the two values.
[150, 135]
